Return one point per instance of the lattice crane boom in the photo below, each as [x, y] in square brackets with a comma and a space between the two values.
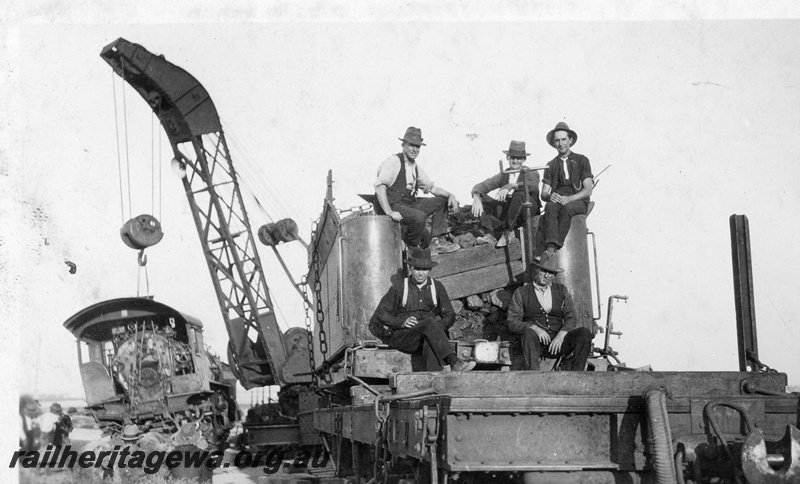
[257, 351]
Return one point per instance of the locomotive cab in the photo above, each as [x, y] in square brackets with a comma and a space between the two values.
[135, 352]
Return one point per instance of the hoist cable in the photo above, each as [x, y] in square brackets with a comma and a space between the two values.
[127, 151]
[152, 167]
[119, 154]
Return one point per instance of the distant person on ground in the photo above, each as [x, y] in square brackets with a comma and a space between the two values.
[399, 180]
[544, 314]
[29, 431]
[418, 313]
[63, 427]
[502, 214]
[48, 422]
[566, 186]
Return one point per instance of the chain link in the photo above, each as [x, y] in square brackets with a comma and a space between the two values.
[380, 467]
[310, 334]
[320, 316]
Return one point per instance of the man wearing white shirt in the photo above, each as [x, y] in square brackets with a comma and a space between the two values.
[47, 424]
[501, 215]
[399, 179]
[566, 186]
[543, 314]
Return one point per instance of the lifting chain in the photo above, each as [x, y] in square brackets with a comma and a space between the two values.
[323, 340]
[380, 468]
[310, 334]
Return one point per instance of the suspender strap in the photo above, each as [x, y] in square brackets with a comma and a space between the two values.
[433, 292]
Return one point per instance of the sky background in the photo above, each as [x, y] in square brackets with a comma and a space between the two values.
[695, 109]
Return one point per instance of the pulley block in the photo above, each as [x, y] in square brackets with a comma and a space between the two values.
[281, 231]
[141, 232]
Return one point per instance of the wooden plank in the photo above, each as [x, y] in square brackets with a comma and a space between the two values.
[706, 384]
[475, 258]
[483, 279]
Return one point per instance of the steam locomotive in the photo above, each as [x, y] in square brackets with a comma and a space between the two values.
[143, 362]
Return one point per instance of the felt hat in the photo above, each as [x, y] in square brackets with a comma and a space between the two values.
[31, 406]
[56, 407]
[189, 435]
[516, 149]
[413, 136]
[131, 432]
[562, 126]
[420, 258]
[548, 262]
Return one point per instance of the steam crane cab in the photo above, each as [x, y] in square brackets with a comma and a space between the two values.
[142, 360]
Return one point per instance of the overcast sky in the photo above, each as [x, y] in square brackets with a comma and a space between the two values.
[697, 117]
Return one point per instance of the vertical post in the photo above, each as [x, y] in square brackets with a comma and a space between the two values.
[527, 206]
[743, 290]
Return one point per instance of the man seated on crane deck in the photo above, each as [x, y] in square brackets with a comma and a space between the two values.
[566, 186]
[399, 179]
[502, 214]
[544, 314]
[417, 312]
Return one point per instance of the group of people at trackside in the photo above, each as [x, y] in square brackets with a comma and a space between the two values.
[416, 310]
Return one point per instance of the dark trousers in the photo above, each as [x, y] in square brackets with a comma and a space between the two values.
[499, 216]
[574, 349]
[415, 212]
[427, 342]
[557, 218]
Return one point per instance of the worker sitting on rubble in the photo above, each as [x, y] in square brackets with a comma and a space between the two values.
[566, 186]
[544, 314]
[418, 313]
[501, 215]
[399, 179]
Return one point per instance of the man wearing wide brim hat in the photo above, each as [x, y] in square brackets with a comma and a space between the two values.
[566, 186]
[400, 178]
[416, 311]
[543, 313]
[501, 215]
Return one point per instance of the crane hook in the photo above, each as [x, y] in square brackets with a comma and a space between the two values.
[142, 258]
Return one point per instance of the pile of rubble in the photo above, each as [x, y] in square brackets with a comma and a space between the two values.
[466, 229]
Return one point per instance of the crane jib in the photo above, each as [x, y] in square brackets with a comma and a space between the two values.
[178, 99]
[257, 351]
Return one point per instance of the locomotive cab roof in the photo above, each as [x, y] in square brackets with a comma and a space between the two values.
[87, 323]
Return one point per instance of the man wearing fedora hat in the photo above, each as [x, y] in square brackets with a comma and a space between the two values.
[417, 312]
[566, 186]
[501, 215]
[399, 179]
[543, 314]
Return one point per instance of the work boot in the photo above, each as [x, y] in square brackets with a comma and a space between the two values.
[505, 239]
[461, 366]
[439, 245]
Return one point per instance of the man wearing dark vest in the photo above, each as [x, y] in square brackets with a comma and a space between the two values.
[399, 180]
[501, 215]
[566, 186]
[544, 314]
[417, 312]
